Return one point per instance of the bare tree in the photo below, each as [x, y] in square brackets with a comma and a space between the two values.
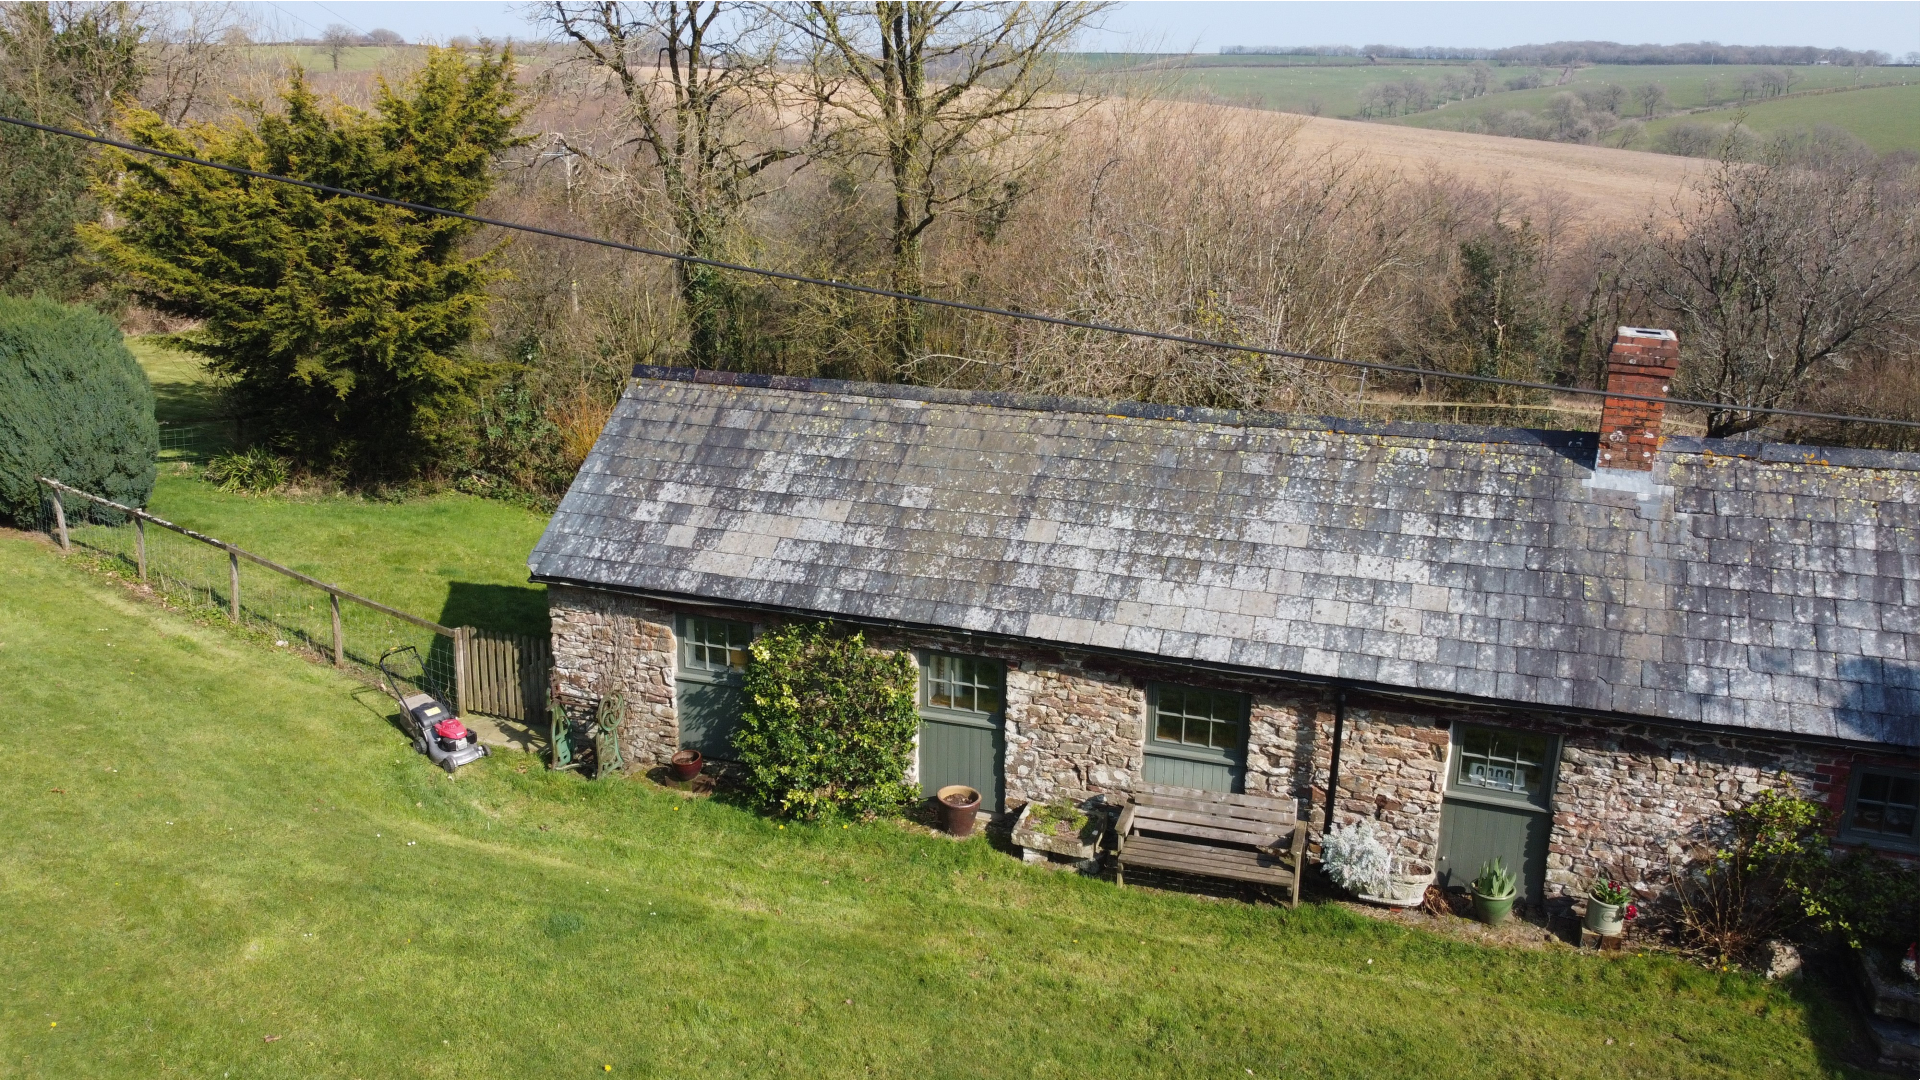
[1650, 97]
[336, 41]
[73, 63]
[1780, 273]
[698, 82]
[190, 55]
[951, 99]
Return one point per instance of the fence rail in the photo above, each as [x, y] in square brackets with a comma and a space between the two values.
[503, 675]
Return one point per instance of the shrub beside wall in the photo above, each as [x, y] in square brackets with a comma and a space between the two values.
[74, 405]
[828, 726]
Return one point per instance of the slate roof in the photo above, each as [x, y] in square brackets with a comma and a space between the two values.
[1763, 587]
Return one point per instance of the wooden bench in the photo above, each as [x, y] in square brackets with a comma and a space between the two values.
[1240, 837]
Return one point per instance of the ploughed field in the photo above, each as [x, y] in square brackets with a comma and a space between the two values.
[220, 860]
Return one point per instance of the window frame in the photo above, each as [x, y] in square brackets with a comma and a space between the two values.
[1234, 756]
[1549, 764]
[923, 671]
[684, 644]
[1849, 834]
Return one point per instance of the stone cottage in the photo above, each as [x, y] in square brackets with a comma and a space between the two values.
[1568, 650]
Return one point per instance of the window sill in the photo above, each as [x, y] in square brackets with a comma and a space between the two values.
[1192, 753]
[1878, 842]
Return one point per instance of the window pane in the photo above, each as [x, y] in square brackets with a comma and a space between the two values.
[1885, 804]
[1194, 717]
[1502, 761]
[717, 645]
[1873, 787]
[963, 683]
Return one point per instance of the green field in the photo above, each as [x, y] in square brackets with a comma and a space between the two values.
[1330, 86]
[315, 57]
[1885, 118]
[221, 861]
[1686, 87]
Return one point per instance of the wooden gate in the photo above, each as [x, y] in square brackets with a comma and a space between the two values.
[502, 675]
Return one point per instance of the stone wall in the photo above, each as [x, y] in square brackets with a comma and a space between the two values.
[605, 644]
[1071, 731]
[1629, 798]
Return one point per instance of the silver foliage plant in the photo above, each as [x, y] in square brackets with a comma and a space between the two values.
[1356, 860]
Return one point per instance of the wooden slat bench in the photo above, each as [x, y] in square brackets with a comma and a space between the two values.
[1240, 837]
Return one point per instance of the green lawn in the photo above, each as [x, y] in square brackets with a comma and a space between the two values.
[208, 845]
[456, 559]
[183, 391]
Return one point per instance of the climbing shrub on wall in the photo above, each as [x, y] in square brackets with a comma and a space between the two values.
[828, 726]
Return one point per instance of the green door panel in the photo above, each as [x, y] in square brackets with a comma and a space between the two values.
[1471, 833]
[962, 753]
[1188, 773]
[709, 712]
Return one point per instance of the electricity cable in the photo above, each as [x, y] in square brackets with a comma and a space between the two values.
[934, 301]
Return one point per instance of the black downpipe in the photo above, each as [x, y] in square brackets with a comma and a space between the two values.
[1333, 766]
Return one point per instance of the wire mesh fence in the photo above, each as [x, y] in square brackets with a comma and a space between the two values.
[197, 442]
[213, 580]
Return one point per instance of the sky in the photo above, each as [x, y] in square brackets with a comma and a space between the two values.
[1205, 25]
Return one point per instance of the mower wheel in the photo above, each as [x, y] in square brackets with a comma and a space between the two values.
[449, 766]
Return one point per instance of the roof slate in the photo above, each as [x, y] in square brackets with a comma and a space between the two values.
[1766, 587]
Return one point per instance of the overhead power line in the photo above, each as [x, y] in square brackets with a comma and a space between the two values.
[934, 301]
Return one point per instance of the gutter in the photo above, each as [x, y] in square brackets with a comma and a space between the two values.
[1343, 686]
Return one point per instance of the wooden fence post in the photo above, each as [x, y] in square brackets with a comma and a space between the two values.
[339, 639]
[140, 545]
[233, 584]
[461, 635]
[60, 519]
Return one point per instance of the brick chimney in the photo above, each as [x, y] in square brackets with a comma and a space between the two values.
[1640, 362]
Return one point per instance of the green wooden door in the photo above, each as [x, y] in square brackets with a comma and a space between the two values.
[1497, 805]
[1198, 738]
[707, 700]
[961, 732]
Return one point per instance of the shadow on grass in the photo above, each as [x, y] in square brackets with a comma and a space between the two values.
[508, 609]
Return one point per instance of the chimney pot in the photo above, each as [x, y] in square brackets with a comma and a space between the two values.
[1642, 362]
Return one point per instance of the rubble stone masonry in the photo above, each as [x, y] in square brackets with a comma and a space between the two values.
[603, 644]
[1629, 798]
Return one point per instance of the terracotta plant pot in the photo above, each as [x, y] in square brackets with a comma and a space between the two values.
[1607, 920]
[686, 764]
[958, 806]
[1490, 911]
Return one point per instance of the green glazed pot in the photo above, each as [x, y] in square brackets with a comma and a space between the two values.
[1490, 911]
[1607, 920]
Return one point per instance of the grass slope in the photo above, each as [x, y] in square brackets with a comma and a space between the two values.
[456, 559]
[1333, 84]
[1884, 117]
[206, 845]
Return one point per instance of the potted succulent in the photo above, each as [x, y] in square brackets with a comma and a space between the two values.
[958, 805]
[1609, 906]
[1493, 893]
[686, 764]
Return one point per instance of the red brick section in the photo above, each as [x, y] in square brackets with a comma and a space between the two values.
[1640, 362]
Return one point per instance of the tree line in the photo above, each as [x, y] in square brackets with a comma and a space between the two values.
[929, 148]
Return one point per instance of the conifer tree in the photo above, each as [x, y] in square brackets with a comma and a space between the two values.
[341, 323]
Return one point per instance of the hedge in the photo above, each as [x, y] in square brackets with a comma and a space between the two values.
[74, 405]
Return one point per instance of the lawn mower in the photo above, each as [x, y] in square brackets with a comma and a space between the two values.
[436, 732]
